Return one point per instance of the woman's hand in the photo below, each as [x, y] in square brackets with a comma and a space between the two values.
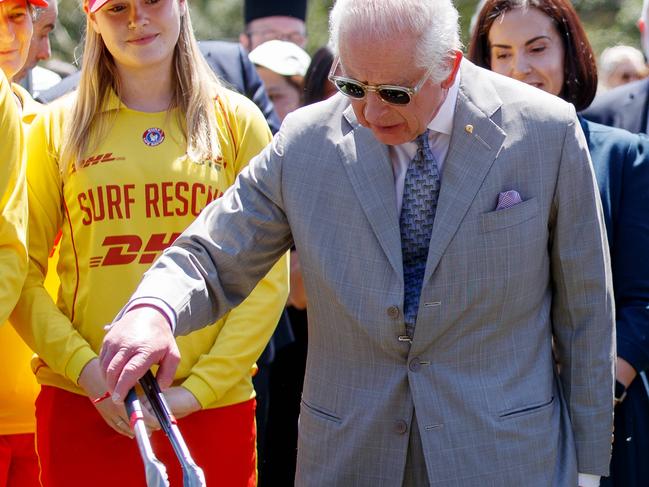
[181, 403]
[93, 383]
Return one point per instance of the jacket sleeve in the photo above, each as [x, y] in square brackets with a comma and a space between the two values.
[245, 333]
[582, 305]
[48, 331]
[249, 326]
[629, 257]
[13, 203]
[62, 88]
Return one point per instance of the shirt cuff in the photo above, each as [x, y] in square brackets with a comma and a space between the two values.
[588, 480]
[152, 302]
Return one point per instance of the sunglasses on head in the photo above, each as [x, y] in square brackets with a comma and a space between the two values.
[393, 94]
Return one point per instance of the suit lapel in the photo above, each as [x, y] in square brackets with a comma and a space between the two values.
[471, 155]
[475, 143]
[367, 163]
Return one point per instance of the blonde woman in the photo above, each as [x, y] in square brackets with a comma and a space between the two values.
[122, 167]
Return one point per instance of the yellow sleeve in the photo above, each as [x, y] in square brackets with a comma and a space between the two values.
[244, 335]
[249, 326]
[48, 331]
[13, 203]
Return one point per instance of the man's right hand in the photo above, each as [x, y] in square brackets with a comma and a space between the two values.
[138, 340]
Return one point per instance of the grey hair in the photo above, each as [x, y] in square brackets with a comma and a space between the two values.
[433, 22]
[35, 12]
[611, 58]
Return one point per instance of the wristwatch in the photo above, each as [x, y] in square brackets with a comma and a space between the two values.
[620, 391]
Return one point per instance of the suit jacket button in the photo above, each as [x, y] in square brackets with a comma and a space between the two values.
[400, 427]
[414, 365]
[393, 312]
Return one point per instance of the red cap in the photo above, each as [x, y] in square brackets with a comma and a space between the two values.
[91, 6]
[35, 3]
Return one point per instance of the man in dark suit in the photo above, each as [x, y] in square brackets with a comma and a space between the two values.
[227, 59]
[627, 106]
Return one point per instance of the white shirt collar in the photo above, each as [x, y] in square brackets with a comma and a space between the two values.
[443, 121]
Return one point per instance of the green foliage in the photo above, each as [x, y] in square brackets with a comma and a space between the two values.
[608, 22]
[67, 34]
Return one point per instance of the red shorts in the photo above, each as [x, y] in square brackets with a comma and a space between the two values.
[18, 461]
[77, 448]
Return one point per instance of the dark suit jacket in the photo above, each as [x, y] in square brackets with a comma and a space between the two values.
[228, 60]
[624, 107]
[621, 163]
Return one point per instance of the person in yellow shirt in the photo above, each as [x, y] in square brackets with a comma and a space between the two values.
[122, 167]
[15, 23]
[18, 387]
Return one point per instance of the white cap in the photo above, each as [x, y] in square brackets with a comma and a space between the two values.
[282, 57]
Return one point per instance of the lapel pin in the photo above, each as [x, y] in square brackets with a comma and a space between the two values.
[468, 129]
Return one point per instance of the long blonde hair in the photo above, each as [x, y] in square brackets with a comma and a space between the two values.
[194, 92]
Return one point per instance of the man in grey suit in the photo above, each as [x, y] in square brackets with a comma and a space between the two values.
[452, 246]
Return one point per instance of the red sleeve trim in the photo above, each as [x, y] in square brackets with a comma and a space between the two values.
[76, 262]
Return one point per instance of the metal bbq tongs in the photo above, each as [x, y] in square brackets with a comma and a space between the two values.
[154, 469]
[156, 473]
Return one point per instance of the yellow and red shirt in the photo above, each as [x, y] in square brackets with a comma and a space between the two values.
[18, 389]
[13, 202]
[134, 192]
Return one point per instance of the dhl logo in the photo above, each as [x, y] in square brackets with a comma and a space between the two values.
[99, 159]
[127, 249]
[217, 163]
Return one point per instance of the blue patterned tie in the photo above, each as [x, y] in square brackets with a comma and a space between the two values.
[420, 193]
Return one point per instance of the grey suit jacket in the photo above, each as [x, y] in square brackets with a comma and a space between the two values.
[500, 288]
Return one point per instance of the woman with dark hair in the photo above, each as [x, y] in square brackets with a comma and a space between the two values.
[317, 86]
[578, 66]
[542, 43]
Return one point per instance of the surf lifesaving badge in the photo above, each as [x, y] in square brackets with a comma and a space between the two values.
[153, 136]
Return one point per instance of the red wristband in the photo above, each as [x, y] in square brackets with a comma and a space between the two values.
[103, 397]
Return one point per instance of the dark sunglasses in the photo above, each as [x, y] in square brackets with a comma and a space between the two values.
[393, 94]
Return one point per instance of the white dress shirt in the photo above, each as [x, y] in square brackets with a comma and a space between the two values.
[439, 138]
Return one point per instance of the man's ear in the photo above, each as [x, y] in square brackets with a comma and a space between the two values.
[448, 82]
[641, 25]
[243, 40]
